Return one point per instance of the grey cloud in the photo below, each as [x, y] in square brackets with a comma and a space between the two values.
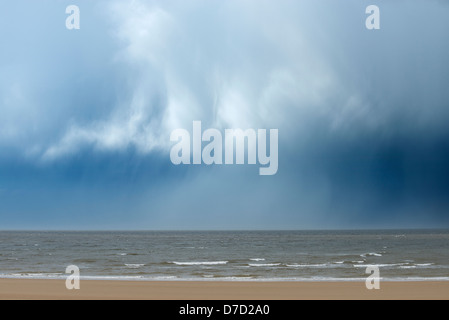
[362, 115]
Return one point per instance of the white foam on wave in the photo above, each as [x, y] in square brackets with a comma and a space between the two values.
[319, 265]
[381, 265]
[264, 264]
[238, 278]
[37, 275]
[257, 259]
[406, 265]
[123, 278]
[371, 254]
[164, 278]
[199, 263]
[229, 278]
[418, 279]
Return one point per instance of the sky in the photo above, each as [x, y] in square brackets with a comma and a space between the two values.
[86, 115]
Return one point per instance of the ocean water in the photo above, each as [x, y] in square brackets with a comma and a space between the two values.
[227, 255]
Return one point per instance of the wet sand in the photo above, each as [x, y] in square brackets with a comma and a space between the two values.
[209, 290]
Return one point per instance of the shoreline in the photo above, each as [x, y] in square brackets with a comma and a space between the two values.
[225, 279]
[52, 289]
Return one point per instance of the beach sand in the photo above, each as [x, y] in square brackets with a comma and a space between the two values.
[208, 290]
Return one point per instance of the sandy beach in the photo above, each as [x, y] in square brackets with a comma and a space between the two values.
[208, 290]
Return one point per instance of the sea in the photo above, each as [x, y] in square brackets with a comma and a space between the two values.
[400, 255]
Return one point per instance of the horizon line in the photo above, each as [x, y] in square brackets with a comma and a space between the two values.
[223, 230]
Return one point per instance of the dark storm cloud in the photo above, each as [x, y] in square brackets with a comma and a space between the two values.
[362, 115]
